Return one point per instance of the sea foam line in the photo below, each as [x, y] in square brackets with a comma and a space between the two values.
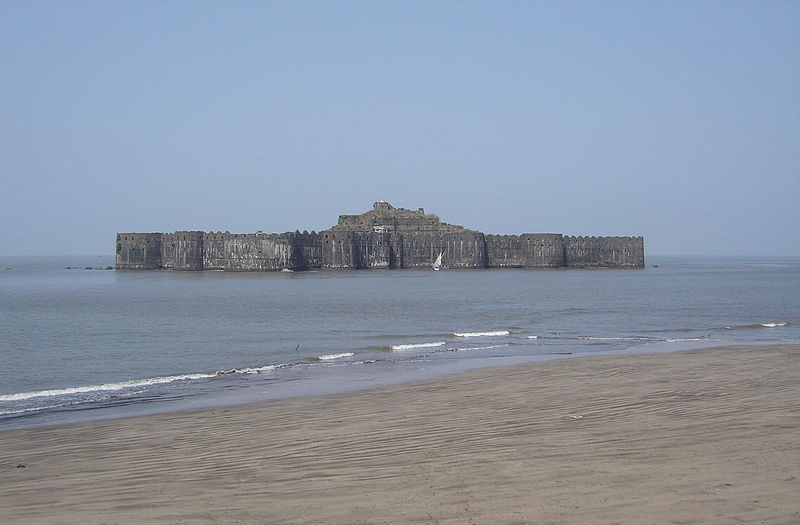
[489, 347]
[106, 387]
[417, 345]
[755, 325]
[29, 410]
[247, 370]
[481, 334]
[631, 338]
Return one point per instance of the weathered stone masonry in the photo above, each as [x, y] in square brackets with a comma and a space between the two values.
[384, 237]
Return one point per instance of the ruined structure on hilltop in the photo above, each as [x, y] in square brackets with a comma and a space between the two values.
[384, 237]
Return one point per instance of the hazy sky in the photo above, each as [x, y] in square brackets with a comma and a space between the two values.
[678, 121]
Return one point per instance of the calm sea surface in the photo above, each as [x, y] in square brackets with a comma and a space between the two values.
[78, 342]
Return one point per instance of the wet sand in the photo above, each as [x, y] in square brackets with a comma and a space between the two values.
[709, 436]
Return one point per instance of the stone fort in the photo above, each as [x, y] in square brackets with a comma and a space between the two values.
[384, 237]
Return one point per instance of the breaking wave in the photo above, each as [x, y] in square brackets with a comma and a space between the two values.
[481, 334]
[247, 370]
[417, 345]
[109, 387]
[133, 384]
[643, 339]
[489, 347]
[756, 326]
[331, 357]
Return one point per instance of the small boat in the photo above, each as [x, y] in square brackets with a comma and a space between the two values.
[437, 264]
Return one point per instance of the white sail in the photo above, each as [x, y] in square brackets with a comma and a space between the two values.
[437, 264]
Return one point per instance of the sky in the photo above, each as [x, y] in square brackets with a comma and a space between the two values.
[677, 121]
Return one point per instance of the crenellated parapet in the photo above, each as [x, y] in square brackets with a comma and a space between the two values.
[183, 250]
[384, 237]
[248, 252]
[608, 252]
[529, 250]
[139, 251]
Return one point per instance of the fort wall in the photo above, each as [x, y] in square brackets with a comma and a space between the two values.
[247, 252]
[610, 252]
[182, 250]
[139, 251]
[384, 237]
[340, 249]
[463, 249]
[306, 251]
[530, 250]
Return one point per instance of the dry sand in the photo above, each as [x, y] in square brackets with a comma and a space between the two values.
[709, 436]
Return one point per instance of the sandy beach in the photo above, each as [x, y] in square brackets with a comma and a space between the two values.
[708, 436]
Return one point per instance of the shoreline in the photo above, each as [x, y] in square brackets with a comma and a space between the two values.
[323, 384]
[696, 436]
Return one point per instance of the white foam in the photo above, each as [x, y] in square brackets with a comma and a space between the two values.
[588, 338]
[481, 334]
[248, 370]
[482, 347]
[19, 411]
[417, 345]
[532, 337]
[331, 357]
[755, 326]
[107, 387]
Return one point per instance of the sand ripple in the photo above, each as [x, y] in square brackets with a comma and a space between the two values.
[697, 437]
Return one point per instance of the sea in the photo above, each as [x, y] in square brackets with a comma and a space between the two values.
[81, 341]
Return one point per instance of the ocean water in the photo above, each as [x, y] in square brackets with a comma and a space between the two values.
[79, 341]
